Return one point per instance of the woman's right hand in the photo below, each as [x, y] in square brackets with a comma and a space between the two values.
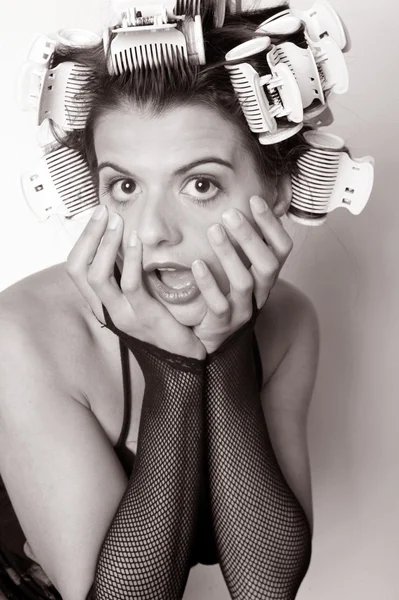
[90, 265]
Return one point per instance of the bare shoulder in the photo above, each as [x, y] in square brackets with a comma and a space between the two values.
[287, 318]
[48, 314]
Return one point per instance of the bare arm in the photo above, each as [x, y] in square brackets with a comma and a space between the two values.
[286, 399]
[59, 468]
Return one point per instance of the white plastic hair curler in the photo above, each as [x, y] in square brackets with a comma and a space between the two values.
[147, 36]
[60, 183]
[331, 65]
[283, 23]
[303, 66]
[174, 8]
[282, 97]
[317, 68]
[78, 37]
[30, 79]
[328, 179]
[322, 21]
[62, 97]
[56, 93]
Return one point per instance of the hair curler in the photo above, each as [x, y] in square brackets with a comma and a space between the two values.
[283, 23]
[78, 37]
[60, 183]
[327, 179]
[262, 109]
[55, 93]
[322, 21]
[147, 36]
[30, 79]
[319, 68]
[178, 7]
[62, 97]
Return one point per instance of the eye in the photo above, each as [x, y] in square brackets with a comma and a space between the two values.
[202, 189]
[121, 190]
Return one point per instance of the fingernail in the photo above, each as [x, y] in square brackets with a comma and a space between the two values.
[132, 241]
[199, 267]
[217, 233]
[258, 204]
[232, 218]
[113, 221]
[98, 213]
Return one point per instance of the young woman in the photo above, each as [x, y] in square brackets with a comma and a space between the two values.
[205, 375]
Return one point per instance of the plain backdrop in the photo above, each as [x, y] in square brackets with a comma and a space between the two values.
[348, 268]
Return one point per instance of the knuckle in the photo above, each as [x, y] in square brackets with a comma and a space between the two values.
[245, 285]
[274, 264]
[247, 236]
[288, 246]
[264, 272]
[72, 268]
[94, 278]
[129, 287]
[222, 310]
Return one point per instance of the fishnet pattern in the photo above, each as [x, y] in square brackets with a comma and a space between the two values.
[262, 534]
[146, 552]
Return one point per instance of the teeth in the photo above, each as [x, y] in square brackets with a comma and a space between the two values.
[167, 269]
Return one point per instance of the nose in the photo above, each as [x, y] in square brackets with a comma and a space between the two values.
[157, 220]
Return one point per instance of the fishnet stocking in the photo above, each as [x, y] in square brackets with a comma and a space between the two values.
[202, 432]
[146, 552]
[262, 535]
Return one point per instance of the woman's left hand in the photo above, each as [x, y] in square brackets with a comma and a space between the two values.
[226, 314]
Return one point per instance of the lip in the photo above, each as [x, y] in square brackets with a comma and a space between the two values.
[162, 265]
[173, 296]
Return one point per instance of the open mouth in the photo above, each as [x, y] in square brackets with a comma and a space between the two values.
[176, 279]
[175, 286]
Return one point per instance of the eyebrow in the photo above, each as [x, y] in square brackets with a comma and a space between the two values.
[181, 171]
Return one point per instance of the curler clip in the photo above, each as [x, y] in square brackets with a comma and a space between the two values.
[148, 36]
[303, 66]
[331, 65]
[55, 93]
[31, 76]
[322, 21]
[59, 184]
[262, 107]
[327, 179]
[62, 98]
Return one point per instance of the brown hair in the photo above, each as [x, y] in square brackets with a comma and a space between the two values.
[160, 89]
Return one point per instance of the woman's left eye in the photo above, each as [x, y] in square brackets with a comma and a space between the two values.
[201, 189]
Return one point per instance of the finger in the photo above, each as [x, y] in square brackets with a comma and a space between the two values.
[272, 229]
[85, 248]
[241, 282]
[264, 264]
[132, 275]
[82, 255]
[214, 298]
[100, 275]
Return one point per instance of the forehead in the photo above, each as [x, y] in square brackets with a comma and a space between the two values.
[179, 134]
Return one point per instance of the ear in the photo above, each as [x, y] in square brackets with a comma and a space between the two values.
[283, 196]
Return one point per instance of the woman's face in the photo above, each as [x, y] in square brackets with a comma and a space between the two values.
[171, 177]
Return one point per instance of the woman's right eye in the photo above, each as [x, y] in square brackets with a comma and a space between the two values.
[121, 190]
